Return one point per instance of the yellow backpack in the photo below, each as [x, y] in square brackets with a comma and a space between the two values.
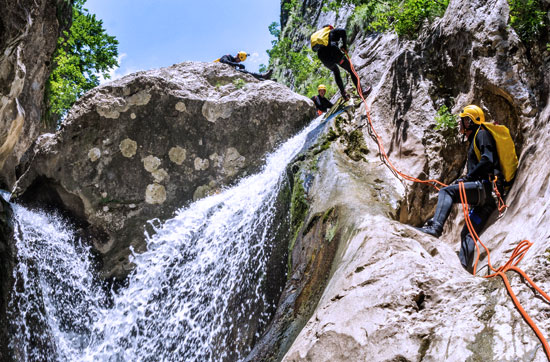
[320, 37]
[217, 60]
[505, 148]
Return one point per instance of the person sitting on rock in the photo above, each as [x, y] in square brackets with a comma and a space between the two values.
[477, 184]
[236, 62]
[325, 43]
[321, 103]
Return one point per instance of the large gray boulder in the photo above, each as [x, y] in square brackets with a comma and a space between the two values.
[143, 146]
[29, 31]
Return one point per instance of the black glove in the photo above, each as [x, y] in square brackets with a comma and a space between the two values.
[344, 50]
[241, 66]
[345, 96]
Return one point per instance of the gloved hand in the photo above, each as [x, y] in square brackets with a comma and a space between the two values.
[241, 66]
[345, 96]
[343, 49]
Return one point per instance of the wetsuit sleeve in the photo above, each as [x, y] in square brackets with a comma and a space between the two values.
[228, 59]
[487, 148]
[326, 104]
[339, 33]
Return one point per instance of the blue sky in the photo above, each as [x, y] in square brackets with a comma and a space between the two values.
[159, 33]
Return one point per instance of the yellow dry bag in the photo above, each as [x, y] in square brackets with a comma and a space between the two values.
[505, 148]
[320, 37]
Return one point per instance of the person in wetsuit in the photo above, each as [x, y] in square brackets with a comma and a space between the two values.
[477, 184]
[321, 103]
[332, 57]
[236, 62]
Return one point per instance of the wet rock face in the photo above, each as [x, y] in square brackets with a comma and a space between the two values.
[7, 262]
[143, 146]
[335, 181]
[28, 35]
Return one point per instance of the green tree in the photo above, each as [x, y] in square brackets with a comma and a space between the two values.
[529, 19]
[404, 16]
[83, 54]
[307, 70]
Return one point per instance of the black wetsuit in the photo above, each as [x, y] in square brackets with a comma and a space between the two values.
[321, 103]
[231, 60]
[478, 192]
[331, 57]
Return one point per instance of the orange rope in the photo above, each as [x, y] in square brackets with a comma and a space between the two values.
[518, 254]
[381, 145]
[501, 205]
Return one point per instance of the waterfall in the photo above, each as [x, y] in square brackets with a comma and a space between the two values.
[56, 295]
[196, 294]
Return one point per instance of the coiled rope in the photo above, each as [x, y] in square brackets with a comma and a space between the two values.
[518, 254]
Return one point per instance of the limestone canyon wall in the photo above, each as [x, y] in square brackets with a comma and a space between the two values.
[28, 36]
[392, 293]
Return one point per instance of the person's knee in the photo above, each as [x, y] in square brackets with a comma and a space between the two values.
[444, 192]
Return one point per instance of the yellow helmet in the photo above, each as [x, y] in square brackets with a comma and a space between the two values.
[242, 55]
[321, 86]
[474, 113]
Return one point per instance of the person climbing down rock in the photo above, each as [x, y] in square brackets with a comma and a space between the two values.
[483, 164]
[235, 61]
[325, 43]
[321, 103]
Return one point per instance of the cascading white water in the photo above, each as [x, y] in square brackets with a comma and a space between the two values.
[56, 296]
[195, 295]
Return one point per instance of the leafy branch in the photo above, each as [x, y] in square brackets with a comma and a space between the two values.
[83, 54]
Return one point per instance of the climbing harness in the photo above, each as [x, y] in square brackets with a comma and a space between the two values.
[501, 205]
[518, 254]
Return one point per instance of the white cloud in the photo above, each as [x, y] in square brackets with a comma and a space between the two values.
[113, 72]
[254, 58]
